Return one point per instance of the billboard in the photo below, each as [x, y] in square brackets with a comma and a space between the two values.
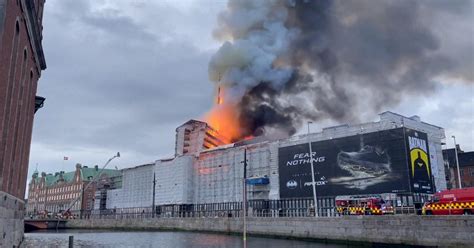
[419, 161]
[368, 163]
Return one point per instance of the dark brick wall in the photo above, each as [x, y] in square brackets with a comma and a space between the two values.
[19, 74]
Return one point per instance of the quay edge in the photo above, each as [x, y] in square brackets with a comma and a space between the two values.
[438, 231]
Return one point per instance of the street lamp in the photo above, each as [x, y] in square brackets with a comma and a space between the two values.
[244, 200]
[457, 162]
[312, 174]
[153, 204]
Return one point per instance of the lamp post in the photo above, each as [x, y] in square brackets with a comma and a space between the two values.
[312, 174]
[244, 200]
[457, 162]
[154, 187]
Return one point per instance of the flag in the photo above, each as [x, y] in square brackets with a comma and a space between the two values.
[66, 158]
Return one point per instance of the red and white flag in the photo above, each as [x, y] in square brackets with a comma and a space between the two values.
[66, 158]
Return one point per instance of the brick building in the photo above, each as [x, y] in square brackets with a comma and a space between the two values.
[466, 168]
[21, 63]
[57, 192]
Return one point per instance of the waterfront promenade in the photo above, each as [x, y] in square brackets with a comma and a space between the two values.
[441, 231]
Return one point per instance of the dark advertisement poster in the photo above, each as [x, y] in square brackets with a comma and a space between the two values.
[419, 161]
[362, 164]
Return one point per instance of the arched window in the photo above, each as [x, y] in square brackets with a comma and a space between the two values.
[19, 107]
[7, 114]
[21, 118]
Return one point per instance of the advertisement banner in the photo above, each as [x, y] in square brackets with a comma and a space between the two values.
[369, 163]
[419, 161]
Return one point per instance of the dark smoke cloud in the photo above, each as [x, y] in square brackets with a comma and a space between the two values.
[334, 59]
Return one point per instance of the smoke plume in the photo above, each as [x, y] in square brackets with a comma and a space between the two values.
[283, 62]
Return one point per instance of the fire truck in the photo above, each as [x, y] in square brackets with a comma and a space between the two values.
[451, 202]
[363, 205]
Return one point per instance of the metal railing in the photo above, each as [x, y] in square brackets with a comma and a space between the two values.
[255, 208]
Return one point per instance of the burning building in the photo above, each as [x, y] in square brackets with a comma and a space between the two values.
[397, 155]
[195, 136]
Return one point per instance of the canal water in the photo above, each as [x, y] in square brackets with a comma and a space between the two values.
[102, 238]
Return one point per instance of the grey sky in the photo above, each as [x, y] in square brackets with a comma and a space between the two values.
[122, 75]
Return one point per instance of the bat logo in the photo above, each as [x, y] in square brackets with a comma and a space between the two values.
[292, 184]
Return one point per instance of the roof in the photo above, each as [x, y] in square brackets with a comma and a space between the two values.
[93, 172]
[138, 166]
[51, 179]
[192, 121]
[411, 118]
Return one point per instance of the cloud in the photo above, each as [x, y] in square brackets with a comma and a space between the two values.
[452, 108]
[117, 82]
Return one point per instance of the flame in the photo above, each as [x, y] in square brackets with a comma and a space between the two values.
[224, 118]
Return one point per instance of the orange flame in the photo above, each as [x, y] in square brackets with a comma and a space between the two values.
[224, 118]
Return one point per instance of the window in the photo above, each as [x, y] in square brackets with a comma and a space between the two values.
[10, 84]
[471, 171]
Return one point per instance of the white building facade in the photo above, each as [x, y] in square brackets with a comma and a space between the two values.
[136, 190]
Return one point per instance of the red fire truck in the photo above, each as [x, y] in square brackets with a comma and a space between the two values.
[363, 205]
[451, 202]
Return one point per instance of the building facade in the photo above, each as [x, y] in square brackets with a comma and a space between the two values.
[21, 63]
[53, 193]
[194, 136]
[466, 168]
[397, 155]
[136, 190]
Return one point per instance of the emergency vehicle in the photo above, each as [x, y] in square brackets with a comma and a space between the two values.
[363, 205]
[451, 202]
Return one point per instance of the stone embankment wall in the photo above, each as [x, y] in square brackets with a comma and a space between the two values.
[11, 220]
[444, 231]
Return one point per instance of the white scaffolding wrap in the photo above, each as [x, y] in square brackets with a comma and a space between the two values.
[136, 191]
[174, 181]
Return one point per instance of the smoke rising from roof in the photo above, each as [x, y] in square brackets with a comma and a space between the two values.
[283, 62]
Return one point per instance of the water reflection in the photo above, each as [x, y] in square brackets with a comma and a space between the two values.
[101, 238]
